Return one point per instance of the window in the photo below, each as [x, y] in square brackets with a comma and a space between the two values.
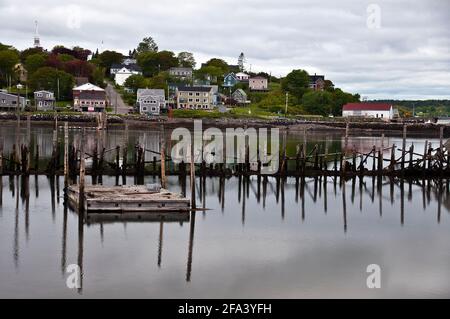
[197, 94]
[190, 94]
[144, 108]
[190, 100]
[197, 100]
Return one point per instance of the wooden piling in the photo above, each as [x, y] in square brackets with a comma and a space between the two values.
[392, 163]
[66, 155]
[82, 173]
[163, 161]
[193, 206]
[424, 158]
[403, 148]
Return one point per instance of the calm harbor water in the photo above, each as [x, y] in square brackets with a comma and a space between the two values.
[257, 240]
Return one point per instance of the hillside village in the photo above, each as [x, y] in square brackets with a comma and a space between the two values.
[157, 82]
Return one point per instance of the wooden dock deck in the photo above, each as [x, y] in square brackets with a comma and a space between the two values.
[135, 199]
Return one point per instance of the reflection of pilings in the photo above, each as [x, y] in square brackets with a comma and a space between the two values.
[191, 247]
[402, 202]
[361, 184]
[302, 195]
[64, 240]
[80, 249]
[243, 202]
[25, 187]
[264, 190]
[439, 196]
[16, 229]
[222, 200]
[325, 192]
[51, 180]
[1, 194]
[282, 198]
[160, 242]
[380, 194]
[36, 186]
[344, 206]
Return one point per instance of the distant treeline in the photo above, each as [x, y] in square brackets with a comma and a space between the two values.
[422, 107]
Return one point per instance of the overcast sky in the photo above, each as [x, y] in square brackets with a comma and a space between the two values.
[380, 49]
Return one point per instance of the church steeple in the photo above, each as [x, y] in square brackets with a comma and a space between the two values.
[37, 41]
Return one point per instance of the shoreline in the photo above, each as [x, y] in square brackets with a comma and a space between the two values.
[363, 128]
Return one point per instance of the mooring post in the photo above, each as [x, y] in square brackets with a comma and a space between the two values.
[403, 148]
[1, 156]
[163, 160]
[36, 160]
[380, 161]
[124, 162]
[82, 174]
[193, 206]
[374, 157]
[392, 164]
[66, 154]
[411, 154]
[424, 159]
[117, 160]
[347, 128]
[316, 157]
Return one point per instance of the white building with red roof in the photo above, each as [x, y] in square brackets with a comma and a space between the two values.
[385, 111]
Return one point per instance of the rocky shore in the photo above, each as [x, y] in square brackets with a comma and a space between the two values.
[360, 127]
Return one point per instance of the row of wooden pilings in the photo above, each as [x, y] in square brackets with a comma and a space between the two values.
[315, 162]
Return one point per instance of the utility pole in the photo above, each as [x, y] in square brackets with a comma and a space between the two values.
[57, 80]
[115, 104]
[287, 100]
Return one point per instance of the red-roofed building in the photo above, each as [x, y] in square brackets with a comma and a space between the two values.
[384, 111]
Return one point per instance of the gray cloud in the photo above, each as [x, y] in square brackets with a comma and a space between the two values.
[407, 57]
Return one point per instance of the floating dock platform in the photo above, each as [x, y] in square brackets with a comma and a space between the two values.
[136, 201]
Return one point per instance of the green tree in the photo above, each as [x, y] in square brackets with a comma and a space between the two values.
[340, 98]
[318, 102]
[98, 76]
[108, 58]
[219, 63]
[47, 78]
[34, 62]
[154, 62]
[135, 82]
[147, 45]
[296, 83]
[27, 52]
[186, 59]
[8, 59]
[64, 57]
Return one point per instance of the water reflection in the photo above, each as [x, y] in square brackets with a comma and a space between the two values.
[237, 197]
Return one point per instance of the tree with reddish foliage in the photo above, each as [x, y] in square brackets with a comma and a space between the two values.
[54, 62]
[79, 68]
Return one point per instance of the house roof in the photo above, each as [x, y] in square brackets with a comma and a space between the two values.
[195, 88]
[367, 106]
[131, 66]
[180, 69]
[241, 91]
[315, 77]
[258, 77]
[88, 87]
[150, 92]
[43, 91]
[241, 74]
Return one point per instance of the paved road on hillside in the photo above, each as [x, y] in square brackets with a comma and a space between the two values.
[113, 98]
